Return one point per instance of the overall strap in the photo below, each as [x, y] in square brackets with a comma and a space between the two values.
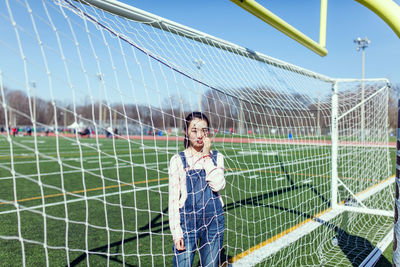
[183, 158]
[214, 157]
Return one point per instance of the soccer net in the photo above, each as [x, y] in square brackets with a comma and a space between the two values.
[93, 97]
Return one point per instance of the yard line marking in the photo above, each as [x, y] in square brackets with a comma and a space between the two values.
[160, 147]
[279, 178]
[86, 144]
[92, 189]
[102, 162]
[253, 176]
[80, 170]
[81, 191]
[272, 153]
[33, 141]
[55, 173]
[98, 197]
[63, 154]
[248, 153]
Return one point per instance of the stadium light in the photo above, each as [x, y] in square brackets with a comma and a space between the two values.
[199, 63]
[362, 43]
[100, 78]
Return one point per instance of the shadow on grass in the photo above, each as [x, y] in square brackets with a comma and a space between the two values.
[354, 247]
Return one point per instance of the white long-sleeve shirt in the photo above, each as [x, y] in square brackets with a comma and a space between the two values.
[177, 184]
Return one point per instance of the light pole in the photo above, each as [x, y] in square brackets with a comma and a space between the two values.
[33, 83]
[199, 63]
[64, 114]
[100, 78]
[362, 43]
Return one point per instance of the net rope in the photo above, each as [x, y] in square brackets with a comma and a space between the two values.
[105, 98]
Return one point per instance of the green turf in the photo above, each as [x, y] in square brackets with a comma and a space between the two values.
[126, 202]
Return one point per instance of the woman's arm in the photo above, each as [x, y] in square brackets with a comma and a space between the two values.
[215, 174]
[173, 198]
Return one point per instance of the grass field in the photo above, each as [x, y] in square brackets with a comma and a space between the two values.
[110, 197]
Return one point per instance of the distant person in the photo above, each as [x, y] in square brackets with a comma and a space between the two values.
[2, 129]
[85, 132]
[14, 131]
[195, 207]
[109, 131]
[116, 133]
[29, 131]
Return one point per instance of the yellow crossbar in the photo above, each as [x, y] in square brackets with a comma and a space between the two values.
[264, 14]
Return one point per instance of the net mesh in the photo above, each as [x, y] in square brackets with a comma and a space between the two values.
[93, 108]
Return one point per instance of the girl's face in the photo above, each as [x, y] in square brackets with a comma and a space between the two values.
[197, 131]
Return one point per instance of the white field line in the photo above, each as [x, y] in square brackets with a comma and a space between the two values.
[33, 141]
[248, 153]
[76, 152]
[322, 143]
[265, 251]
[139, 165]
[374, 256]
[262, 253]
[102, 162]
[96, 169]
[80, 170]
[84, 159]
[81, 198]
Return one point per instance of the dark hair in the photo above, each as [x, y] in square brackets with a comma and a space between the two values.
[189, 118]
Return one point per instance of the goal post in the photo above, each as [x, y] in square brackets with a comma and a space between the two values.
[86, 148]
[396, 250]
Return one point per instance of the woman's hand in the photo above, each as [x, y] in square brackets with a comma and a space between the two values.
[206, 146]
[179, 244]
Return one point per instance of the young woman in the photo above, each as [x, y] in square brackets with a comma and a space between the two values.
[196, 175]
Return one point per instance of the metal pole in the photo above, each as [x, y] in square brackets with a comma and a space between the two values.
[100, 77]
[362, 44]
[396, 237]
[362, 96]
[65, 119]
[335, 137]
[34, 100]
[265, 15]
[199, 63]
[241, 118]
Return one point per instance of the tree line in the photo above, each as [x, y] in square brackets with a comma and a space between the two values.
[249, 110]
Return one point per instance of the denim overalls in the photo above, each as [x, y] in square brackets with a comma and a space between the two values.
[202, 220]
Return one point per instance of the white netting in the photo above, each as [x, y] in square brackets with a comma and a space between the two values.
[104, 98]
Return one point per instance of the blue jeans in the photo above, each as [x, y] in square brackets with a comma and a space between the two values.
[207, 239]
[202, 220]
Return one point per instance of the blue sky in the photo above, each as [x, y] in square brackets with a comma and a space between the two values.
[347, 20]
